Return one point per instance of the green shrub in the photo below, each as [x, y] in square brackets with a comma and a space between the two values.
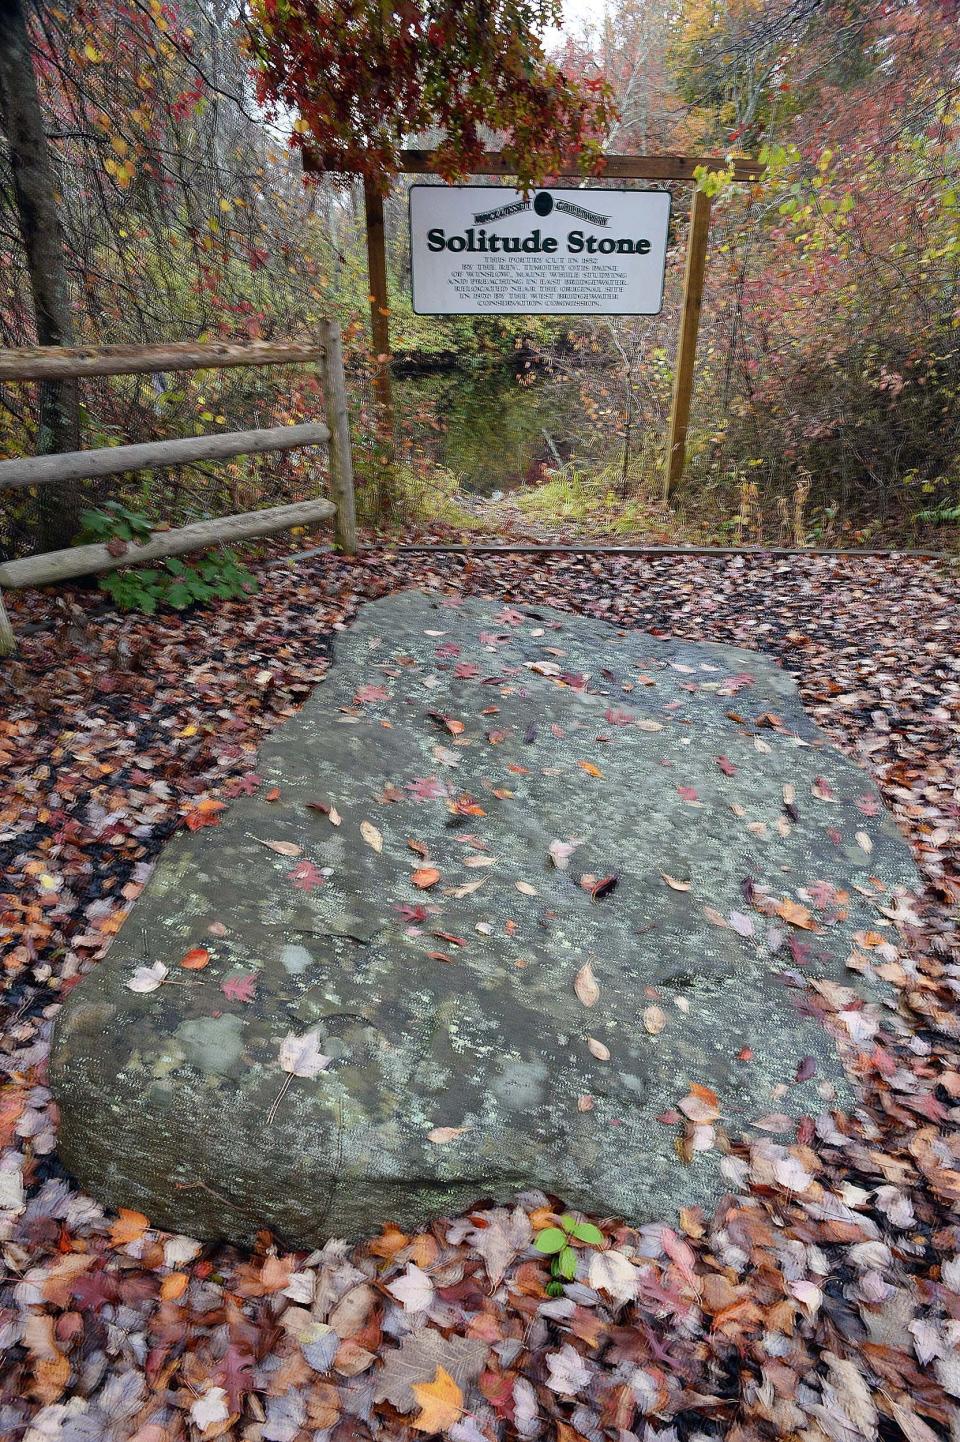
[216, 576]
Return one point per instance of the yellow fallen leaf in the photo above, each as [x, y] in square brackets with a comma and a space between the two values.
[371, 835]
[590, 769]
[441, 1403]
[129, 1227]
[674, 883]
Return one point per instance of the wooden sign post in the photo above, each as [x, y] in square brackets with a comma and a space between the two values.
[616, 167]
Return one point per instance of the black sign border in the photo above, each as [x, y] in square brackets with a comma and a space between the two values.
[593, 190]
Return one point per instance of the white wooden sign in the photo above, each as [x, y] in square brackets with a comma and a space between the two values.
[486, 250]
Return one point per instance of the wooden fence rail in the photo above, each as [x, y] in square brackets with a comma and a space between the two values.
[59, 362]
[156, 455]
[62, 362]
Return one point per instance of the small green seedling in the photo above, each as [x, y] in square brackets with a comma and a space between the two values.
[556, 1243]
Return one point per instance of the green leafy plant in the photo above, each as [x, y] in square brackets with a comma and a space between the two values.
[112, 521]
[218, 575]
[557, 1244]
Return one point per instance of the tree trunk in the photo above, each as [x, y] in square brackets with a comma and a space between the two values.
[34, 189]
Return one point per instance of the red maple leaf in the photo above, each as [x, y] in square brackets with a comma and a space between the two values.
[726, 766]
[236, 1375]
[868, 804]
[306, 876]
[448, 648]
[244, 785]
[425, 788]
[688, 793]
[240, 988]
[370, 693]
[465, 670]
[412, 913]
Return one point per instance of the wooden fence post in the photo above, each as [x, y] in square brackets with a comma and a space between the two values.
[687, 342]
[341, 456]
[380, 332]
[8, 641]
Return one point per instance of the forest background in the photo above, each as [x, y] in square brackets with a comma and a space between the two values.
[826, 398]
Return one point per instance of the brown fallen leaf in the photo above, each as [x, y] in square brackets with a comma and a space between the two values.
[590, 769]
[371, 836]
[597, 1049]
[282, 848]
[674, 884]
[585, 986]
[795, 914]
[425, 877]
[442, 1136]
[654, 1020]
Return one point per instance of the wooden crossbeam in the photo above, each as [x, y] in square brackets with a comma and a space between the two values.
[56, 362]
[113, 460]
[616, 167]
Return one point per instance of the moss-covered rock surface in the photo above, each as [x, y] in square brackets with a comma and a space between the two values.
[516, 900]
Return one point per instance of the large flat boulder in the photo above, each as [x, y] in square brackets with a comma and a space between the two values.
[527, 881]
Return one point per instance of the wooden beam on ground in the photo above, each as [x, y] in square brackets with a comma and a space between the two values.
[53, 566]
[113, 460]
[35, 363]
[616, 167]
[341, 454]
[687, 341]
[763, 552]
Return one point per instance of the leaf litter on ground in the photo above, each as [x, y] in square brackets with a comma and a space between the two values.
[822, 1300]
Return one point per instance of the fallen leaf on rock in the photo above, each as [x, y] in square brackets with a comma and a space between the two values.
[700, 1104]
[371, 835]
[195, 959]
[585, 986]
[674, 884]
[560, 853]
[795, 914]
[525, 888]
[282, 848]
[301, 1055]
[654, 1020]
[306, 876]
[442, 1136]
[240, 988]
[597, 1049]
[425, 877]
[147, 978]
[590, 769]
